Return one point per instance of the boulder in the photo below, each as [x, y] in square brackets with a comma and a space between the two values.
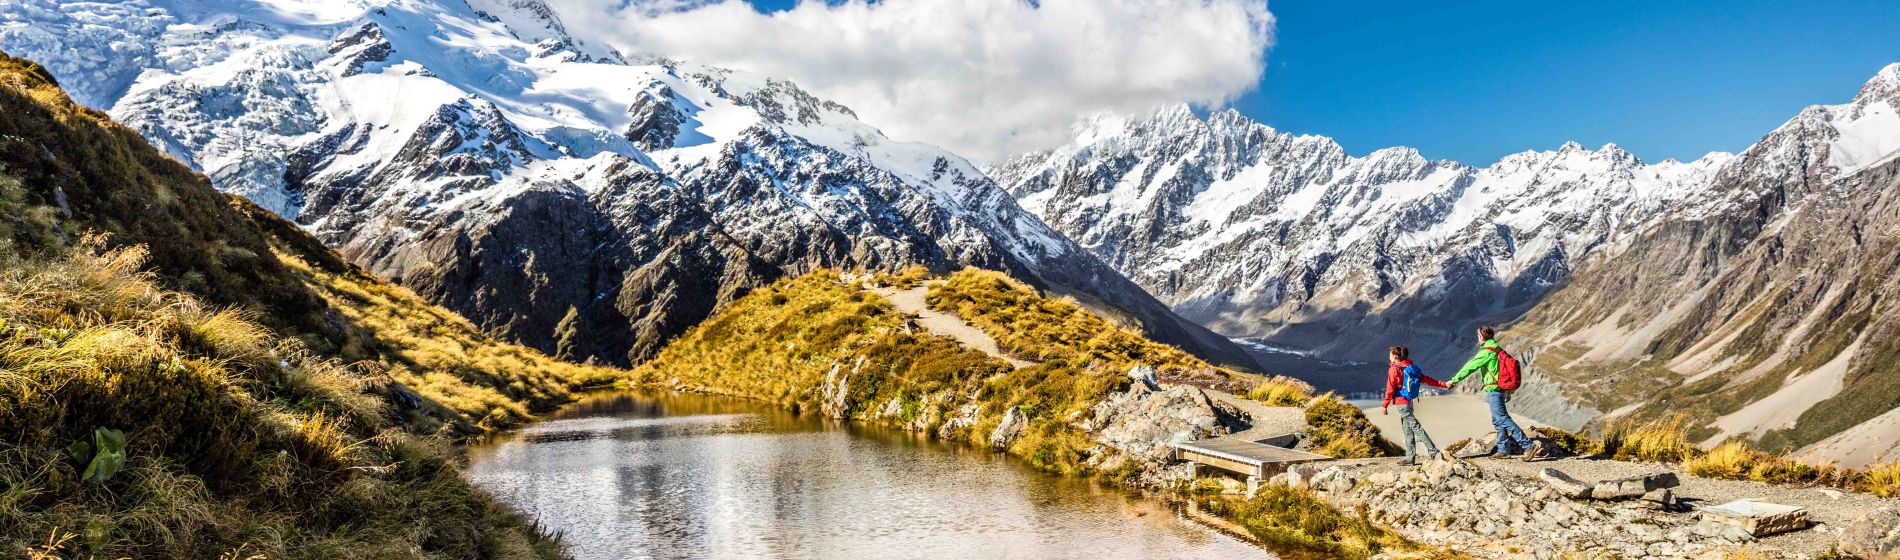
[1145, 424]
[1332, 480]
[1758, 519]
[1661, 498]
[1012, 427]
[1634, 486]
[1875, 536]
[1566, 485]
[1144, 376]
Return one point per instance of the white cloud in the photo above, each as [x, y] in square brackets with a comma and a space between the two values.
[985, 78]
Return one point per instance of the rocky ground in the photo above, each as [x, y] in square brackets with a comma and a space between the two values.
[1503, 508]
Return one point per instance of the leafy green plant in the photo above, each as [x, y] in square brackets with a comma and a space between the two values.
[103, 457]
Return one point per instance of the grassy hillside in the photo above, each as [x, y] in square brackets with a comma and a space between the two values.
[822, 343]
[183, 375]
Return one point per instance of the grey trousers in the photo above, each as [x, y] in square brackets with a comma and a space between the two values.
[1408, 424]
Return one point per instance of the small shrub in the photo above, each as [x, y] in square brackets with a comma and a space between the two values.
[1342, 431]
[1882, 480]
[1661, 440]
[1297, 524]
[1280, 391]
[1570, 443]
[1732, 460]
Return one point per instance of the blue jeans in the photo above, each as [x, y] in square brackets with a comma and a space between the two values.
[1409, 426]
[1511, 439]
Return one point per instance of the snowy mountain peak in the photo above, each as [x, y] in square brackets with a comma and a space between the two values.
[475, 151]
[1884, 85]
[1263, 234]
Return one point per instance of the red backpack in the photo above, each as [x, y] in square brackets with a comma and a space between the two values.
[1507, 370]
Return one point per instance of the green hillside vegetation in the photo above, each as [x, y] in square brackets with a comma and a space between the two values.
[795, 341]
[183, 375]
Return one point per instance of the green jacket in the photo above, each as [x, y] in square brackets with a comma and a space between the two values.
[1485, 362]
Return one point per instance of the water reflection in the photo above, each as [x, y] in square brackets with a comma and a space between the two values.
[661, 475]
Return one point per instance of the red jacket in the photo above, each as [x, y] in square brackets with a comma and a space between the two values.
[1395, 375]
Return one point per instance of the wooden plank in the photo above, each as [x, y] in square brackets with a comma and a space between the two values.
[1243, 456]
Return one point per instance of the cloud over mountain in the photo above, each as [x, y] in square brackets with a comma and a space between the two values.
[986, 78]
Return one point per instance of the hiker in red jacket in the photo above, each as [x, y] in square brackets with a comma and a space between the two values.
[1401, 386]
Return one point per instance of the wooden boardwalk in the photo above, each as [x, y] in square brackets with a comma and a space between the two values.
[1255, 459]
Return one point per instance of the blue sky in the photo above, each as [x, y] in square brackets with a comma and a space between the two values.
[1475, 80]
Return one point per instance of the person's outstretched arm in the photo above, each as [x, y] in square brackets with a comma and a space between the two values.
[1474, 364]
[1427, 379]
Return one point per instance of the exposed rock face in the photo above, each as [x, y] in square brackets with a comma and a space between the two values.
[1143, 422]
[551, 191]
[1010, 429]
[1285, 237]
[1757, 305]
[1874, 537]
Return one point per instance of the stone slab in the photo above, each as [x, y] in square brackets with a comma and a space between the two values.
[1758, 518]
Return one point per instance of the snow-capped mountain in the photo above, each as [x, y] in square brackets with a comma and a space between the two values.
[1288, 239]
[1761, 307]
[551, 190]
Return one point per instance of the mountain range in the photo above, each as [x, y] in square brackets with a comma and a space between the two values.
[1745, 285]
[595, 204]
[558, 193]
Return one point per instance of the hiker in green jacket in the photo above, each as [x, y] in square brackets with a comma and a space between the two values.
[1511, 438]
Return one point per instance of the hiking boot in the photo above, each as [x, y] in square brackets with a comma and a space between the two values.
[1408, 463]
[1537, 451]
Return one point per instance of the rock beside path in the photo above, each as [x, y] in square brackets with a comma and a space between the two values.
[1144, 423]
[1875, 536]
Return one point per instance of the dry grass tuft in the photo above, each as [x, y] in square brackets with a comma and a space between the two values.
[1882, 480]
[1281, 391]
[1341, 430]
[1660, 440]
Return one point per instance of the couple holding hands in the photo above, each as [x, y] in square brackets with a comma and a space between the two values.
[1499, 373]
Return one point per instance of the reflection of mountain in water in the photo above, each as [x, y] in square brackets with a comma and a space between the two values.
[691, 476]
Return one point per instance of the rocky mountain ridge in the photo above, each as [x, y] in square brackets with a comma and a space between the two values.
[1764, 311]
[1309, 252]
[549, 189]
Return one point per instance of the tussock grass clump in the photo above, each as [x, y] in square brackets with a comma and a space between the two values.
[1296, 524]
[1570, 443]
[1032, 327]
[1341, 430]
[1281, 391]
[469, 380]
[233, 441]
[1882, 480]
[904, 279]
[1660, 440]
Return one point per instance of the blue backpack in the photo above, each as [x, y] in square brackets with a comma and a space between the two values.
[1408, 382]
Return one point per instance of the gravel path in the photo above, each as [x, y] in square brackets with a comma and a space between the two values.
[1268, 421]
[911, 302]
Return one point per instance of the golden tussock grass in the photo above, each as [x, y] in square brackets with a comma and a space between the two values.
[1298, 525]
[235, 441]
[1341, 430]
[1281, 391]
[1661, 440]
